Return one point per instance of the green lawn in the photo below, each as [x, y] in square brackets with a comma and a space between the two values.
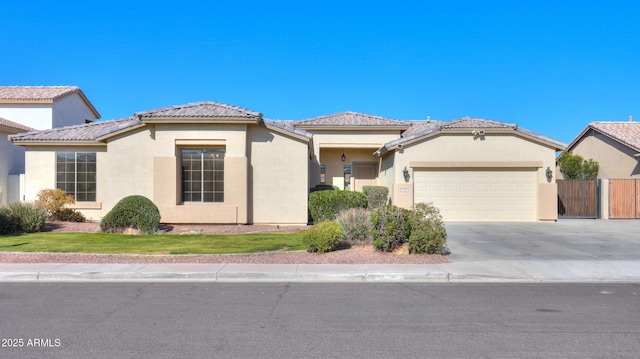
[150, 244]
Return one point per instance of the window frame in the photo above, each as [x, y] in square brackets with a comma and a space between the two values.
[78, 178]
[202, 180]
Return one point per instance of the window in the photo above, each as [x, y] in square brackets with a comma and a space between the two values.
[347, 177]
[76, 174]
[323, 174]
[202, 174]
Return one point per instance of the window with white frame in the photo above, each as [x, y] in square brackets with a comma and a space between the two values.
[76, 174]
[202, 174]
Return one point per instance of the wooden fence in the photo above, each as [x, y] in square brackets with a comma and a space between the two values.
[578, 198]
[624, 199]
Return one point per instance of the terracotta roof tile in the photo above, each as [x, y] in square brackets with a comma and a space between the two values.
[349, 119]
[15, 125]
[420, 126]
[287, 126]
[35, 92]
[627, 133]
[85, 132]
[200, 109]
[469, 122]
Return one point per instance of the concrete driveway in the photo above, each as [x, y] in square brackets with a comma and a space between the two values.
[565, 240]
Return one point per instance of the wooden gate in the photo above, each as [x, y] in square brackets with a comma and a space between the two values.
[624, 199]
[578, 198]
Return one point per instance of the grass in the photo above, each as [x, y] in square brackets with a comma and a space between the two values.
[105, 243]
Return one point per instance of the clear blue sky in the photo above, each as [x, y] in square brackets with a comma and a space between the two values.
[550, 66]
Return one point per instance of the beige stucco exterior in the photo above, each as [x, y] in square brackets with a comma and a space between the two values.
[358, 147]
[616, 160]
[464, 151]
[265, 172]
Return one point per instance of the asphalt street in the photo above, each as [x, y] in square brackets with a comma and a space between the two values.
[311, 320]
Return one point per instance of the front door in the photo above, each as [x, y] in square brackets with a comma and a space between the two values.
[364, 174]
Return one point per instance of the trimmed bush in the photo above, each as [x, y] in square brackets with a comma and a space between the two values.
[325, 205]
[69, 215]
[428, 234]
[321, 187]
[26, 217]
[356, 225]
[376, 195]
[323, 237]
[391, 227]
[134, 212]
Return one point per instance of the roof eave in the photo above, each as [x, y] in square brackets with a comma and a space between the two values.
[199, 119]
[351, 128]
[57, 143]
[119, 132]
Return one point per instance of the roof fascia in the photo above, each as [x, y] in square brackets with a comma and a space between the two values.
[197, 119]
[119, 132]
[352, 128]
[287, 133]
[58, 143]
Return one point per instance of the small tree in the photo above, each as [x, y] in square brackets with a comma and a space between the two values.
[574, 166]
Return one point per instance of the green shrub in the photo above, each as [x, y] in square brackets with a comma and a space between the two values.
[26, 217]
[356, 225]
[69, 215]
[376, 195]
[133, 211]
[391, 227]
[321, 187]
[428, 234]
[6, 225]
[323, 237]
[325, 205]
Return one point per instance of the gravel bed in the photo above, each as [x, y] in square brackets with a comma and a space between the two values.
[353, 255]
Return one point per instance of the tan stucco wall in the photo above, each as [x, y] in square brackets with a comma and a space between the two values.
[145, 162]
[279, 169]
[616, 161]
[332, 159]
[492, 148]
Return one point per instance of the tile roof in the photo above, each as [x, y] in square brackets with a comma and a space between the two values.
[85, 132]
[349, 119]
[287, 126]
[35, 92]
[420, 126]
[14, 125]
[469, 122]
[627, 133]
[427, 128]
[200, 109]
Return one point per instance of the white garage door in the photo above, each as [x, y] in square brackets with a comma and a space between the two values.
[479, 195]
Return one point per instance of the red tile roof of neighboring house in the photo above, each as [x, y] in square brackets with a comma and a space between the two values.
[39, 94]
[85, 132]
[627, 133]
[14, 125]
[350, 119]
[200, 109]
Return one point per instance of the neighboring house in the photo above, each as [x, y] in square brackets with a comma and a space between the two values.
[209, 162]
[205, 162]
[46, 107]
[614, 145]
[11, 160]
[27, 108]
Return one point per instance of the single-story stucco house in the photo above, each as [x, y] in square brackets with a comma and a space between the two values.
[614, 145]
[209, 162]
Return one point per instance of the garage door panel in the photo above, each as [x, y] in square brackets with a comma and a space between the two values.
[482, 195]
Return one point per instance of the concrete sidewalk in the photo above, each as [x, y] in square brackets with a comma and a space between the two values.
[563, 251]
[485, 271]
